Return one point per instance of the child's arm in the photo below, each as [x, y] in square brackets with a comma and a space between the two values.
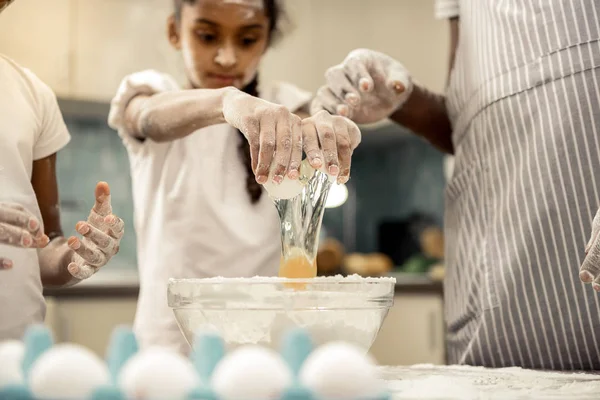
[149, 105]
[273, 132]
[54, 258]
[172, 115]
[65, 262]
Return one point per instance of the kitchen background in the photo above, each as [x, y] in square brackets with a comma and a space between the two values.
[83, 48]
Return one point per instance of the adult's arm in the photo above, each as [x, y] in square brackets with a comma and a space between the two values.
[425, 113]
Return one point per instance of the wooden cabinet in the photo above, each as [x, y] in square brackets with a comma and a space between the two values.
[325, 31]
[114, 38]
[286, 57]
[407, 31]
[36, 34]
[89, 322]
[83, 48]
[413, 332]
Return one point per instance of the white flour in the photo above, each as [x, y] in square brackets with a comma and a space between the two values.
[466, 383]
[274, 279]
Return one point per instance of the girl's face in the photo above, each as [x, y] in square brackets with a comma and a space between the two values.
[222, 42]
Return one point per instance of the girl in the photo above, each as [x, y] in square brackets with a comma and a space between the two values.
[200, 209]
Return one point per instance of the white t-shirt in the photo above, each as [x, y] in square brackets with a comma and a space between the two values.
[445, 9]
[31, 128]
[192, 214]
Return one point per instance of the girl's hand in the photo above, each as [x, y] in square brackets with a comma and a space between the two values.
[330, 139]
[274, 134]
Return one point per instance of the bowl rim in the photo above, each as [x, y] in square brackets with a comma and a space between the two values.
[351, 279]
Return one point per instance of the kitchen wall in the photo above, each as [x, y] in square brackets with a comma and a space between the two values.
[82, 49]
[391, 180]
[96, 153]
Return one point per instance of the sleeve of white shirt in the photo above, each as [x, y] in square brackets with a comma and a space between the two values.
[446, 9]
[52, 135]
[146, 82]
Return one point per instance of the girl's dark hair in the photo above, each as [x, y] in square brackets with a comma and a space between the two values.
[274, 12]
[253, 188]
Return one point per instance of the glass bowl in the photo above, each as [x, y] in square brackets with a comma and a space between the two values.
[261, 310]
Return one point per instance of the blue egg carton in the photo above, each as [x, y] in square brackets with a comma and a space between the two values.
[208, 351]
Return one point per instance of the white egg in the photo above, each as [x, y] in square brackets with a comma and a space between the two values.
[251, 372]
[339, 370]
[289, 188]
[11, 358]
[156, 374]
[67, 371]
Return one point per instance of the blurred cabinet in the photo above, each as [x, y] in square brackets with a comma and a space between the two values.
[36, 34]
[89, 322]
[413, 332]
[325, 31]
[53, 320]
[115, 38]
[83, 48]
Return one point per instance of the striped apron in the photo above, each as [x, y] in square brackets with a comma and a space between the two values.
[524, 98]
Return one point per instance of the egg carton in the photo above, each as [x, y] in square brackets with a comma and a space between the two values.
[207, 356]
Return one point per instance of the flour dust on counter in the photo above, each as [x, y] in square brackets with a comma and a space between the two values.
[430, 382]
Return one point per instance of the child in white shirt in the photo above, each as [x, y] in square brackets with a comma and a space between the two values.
[200, 153]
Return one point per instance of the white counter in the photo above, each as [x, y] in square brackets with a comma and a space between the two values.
[124, 277]
[470, 383]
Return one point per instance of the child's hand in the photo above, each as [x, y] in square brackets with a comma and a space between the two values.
[274, 134]
[330, 139]
[19, 227]
[102, 233]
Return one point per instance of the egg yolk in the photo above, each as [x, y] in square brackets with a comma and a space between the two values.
[297, 266]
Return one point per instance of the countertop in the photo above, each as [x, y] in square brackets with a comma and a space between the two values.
[470, 383]
[126, 284]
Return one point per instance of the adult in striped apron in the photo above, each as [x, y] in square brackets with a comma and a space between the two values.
[522, 117]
